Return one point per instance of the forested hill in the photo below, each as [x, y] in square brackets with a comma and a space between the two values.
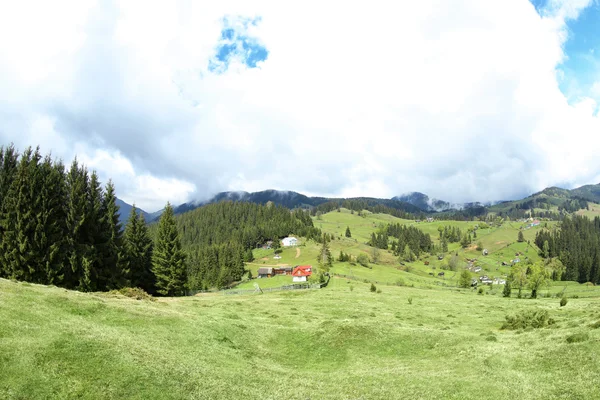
[219, 237]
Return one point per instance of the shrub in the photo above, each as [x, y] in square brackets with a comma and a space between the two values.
[363, 260]
[464, 281]
[528, 319]
[351, 288]
[378, 290]
[563, 301]
[278, 251]
[480, 291]
[400, 282]
[578, 337]
[373, 288]
[410, 300]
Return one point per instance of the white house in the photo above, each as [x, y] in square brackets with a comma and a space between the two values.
[289, 241]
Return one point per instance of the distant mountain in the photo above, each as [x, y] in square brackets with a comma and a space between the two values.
[284, 198]
[125, 210]
[551, 199]
[424, 203]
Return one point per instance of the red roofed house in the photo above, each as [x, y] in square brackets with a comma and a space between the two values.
[301, 273]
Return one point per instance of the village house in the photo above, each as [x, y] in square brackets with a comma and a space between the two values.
[265, 272]
[282, 271]
[289, 241]
[301, 273]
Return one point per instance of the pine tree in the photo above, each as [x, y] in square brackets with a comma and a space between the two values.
[507, 289]
[113, 260]
[520, 237]
[348, 233]
[324, 258]
[76, 209]
[19, 238]
[168, 260]
[51, 225]
[9, 158]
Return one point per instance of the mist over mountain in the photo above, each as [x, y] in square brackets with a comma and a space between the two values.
[413, 202]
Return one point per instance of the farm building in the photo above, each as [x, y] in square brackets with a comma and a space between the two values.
[282, 271]
[289, 241]
[265, 272]
[301, 273]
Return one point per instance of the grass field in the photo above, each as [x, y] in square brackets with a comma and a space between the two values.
[420, 338]
[594, 211]
[342, 342]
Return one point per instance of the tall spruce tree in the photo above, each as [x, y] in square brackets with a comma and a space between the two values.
[168, 259]
[76, 209]
[113, 261]
[23, 205]
[51, 225]
[9, 158]
[138, 253]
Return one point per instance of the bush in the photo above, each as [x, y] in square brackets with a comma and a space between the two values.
[528, 319]
[278, 251]
[363, 260]
[378, 290]
[400, 282]
[134, 293]
[578, 337]
[373, 288]
[351, 288]
[480, 291]
[410, 300]
[563, 301]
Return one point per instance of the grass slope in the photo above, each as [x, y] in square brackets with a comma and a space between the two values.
[333, 343]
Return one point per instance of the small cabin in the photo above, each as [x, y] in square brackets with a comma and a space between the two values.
[265, 272]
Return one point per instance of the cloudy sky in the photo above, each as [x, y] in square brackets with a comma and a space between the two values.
[461, 99]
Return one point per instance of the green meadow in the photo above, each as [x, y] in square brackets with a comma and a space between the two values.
[341, 342]
[416, 337]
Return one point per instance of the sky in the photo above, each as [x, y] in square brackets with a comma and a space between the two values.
[465, 100]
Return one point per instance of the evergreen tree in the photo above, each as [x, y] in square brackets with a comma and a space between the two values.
[19, 240]
[324, 258]
[168, 260]
[348, 233]
[520, 237]
[112, 258]
[76, 209]
[51, 224]
[137, 247]
[507, 289]
[249, 256]
[9, 158]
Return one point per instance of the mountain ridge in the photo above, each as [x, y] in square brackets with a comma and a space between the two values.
[414, 202]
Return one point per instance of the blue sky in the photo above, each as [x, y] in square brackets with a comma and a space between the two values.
[237, 43]
[581, 68]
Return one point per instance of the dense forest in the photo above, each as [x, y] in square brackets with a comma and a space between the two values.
[219, 237]
[61, 227]
[577, 246]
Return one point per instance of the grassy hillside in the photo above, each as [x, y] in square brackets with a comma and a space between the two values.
[333, 343]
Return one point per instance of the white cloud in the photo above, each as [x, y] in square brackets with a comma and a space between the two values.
[458, 99]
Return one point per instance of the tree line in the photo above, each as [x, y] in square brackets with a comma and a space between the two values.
[219, 237]
[60, 227]
[577, 245]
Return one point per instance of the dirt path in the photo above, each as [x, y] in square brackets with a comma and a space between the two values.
[297, 252]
